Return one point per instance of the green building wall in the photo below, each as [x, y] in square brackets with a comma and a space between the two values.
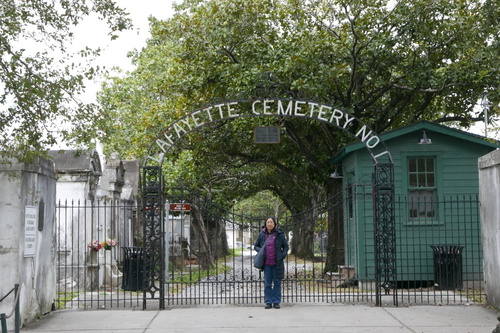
[457, 223]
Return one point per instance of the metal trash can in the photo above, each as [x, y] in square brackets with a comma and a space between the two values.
[448, 267]
[133, 263]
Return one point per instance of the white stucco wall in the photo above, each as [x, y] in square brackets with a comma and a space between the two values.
[489, 189]
[90, 208]
[76, 175]
[26, 185]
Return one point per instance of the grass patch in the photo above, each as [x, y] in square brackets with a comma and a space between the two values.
[475, 295]
[63, 298]
[191, 276]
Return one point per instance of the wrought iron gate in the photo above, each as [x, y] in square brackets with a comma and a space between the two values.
[209, 254]
[111, 280]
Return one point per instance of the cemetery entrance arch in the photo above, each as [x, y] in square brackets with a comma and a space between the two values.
[155, 274]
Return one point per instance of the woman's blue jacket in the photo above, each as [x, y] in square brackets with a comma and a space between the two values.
[281, 245]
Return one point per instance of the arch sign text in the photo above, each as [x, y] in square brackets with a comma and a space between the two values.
[268, 108]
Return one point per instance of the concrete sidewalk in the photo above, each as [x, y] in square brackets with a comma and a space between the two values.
[290, 318]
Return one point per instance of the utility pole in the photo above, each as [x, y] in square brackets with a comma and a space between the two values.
[485, 104]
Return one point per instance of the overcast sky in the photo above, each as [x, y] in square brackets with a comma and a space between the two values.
[92, 33]
[115, 52]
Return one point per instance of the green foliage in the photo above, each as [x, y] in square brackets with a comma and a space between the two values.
[39, 80]
[387, 63]
[263, 203]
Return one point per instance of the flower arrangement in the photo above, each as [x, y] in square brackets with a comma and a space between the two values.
[107, 244]
[95, 245]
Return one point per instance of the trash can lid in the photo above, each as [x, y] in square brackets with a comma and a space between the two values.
[447, 248]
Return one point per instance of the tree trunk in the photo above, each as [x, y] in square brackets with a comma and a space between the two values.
[201, 237]
[303, 234]
[336, 244]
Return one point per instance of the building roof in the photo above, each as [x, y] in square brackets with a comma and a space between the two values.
[76, 161]
[419, 126]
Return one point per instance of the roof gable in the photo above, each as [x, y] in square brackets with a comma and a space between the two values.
[420, 126]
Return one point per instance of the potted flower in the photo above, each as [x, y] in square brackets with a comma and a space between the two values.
[108, 244]
[95, 245]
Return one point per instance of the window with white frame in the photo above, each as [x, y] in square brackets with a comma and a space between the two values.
[422, 187]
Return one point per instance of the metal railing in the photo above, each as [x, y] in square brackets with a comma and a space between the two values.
[423, 277]
[15, 310]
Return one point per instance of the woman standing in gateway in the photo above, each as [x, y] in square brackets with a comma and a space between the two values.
[274, 268]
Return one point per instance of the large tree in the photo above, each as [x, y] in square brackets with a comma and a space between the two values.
[389, 63]
[40, 81]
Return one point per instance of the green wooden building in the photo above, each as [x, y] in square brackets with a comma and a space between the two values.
[436, 204]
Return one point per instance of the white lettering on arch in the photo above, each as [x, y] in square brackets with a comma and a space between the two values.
[288, 111]
[179, 130]
[254, 111]
[372, 142]
[298, 108]
[336, 115]
[186, 121]
[230, 110]
[364, 135]
[322, 112]
[266, 107]
[196, 120]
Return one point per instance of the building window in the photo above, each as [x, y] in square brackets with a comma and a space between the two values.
[422, 187]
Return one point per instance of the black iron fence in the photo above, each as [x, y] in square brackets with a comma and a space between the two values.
[209, 255]
[90, 238]
[440, 255]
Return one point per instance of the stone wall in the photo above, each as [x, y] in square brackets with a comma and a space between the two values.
[27, 246]
[33, 245]
[489, 188]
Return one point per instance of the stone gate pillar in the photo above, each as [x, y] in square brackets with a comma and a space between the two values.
[489, 187]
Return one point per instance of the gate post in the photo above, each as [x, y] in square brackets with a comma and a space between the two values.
[153, 236]
[384, 231]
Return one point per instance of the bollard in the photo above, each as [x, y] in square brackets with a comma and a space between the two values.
[17, 318]
[4, 322]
